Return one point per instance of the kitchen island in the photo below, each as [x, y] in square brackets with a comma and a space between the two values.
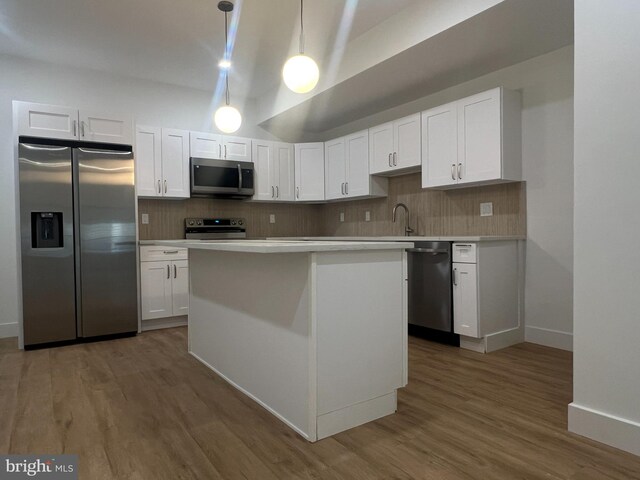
[314, 331]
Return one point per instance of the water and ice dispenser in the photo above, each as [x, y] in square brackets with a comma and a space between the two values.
[46, 230]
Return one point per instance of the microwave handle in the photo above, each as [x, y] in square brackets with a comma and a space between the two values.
[239, 177]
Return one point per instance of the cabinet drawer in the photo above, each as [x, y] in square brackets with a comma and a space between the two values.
[153, 253]
[464, 252]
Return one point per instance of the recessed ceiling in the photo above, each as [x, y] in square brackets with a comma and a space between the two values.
[180, 41]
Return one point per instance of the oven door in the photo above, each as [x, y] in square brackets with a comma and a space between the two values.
[221, 178]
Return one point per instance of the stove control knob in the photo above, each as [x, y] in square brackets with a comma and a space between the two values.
[240, 222]
[199, 222]
[233, 222]
[190, 222]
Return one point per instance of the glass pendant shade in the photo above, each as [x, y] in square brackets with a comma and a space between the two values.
[300, 73]
[227, 119]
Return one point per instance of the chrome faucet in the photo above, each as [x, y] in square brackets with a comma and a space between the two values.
[407, 229]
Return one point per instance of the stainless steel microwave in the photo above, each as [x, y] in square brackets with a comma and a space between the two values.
[221, 178]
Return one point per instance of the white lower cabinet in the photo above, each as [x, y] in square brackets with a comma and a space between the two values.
[486, 288]
[164, 283]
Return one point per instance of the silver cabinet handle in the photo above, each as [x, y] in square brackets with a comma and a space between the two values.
[453, 171]
[159, 187]
[165, 186]
[219, 150]
[346, 188]
[455, 281]
[75, 124]
[82, 129]
[460, 171]
[277, 191]
[239, 173]
[298, 192]
[390, 160]
[175, 271]
[168, 271]
[225, 151]
[342, 188]
[167, 252]
[273, 192]
[395, 159]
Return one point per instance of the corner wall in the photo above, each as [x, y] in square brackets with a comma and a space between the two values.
[606, 390]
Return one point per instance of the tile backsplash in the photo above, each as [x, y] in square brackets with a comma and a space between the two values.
[431, 212]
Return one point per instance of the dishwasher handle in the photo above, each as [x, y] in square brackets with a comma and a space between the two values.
[433, 251]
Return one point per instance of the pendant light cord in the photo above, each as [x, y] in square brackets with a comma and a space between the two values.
[226, 56]
[301, 28]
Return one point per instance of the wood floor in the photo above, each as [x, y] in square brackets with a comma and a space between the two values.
[142, 408]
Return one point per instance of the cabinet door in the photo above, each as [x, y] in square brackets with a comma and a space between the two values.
[440, 146]
[180, 287]
[264, 166]
[175, 163]
[465, 300]
[358, 183]
[334, 169]
[148, 160]
[479, 137]
[406, 140]
[283, 154]
[309, 171]
[381, 148]
[205, 145]
[51, 121]
[106, 128]
[237, 149]
[155, 286]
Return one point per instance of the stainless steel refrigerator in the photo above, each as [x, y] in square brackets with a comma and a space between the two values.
[77, 223]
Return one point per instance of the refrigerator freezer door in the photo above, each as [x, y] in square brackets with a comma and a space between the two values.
[108, 299]
[46, 230]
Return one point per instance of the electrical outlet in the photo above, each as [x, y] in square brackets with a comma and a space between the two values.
[367, 216]
[342, 216]
[486, 209]
[272, 218]
[145, 219]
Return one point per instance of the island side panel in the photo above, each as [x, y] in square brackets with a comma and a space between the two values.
[361, 336]
[249, 322]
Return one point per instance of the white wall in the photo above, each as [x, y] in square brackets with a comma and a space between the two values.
[151, 103]
[546, 84]
[606, 397]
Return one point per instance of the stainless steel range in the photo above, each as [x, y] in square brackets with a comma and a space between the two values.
[214, 228]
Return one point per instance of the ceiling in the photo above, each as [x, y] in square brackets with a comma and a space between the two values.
[180, 41]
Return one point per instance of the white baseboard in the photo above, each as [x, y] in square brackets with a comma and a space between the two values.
[549, 338]
[504, 339]
[168, 322]
[8, 330]
[605, 428]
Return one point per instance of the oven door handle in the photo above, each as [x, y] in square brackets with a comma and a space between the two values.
[432, 251]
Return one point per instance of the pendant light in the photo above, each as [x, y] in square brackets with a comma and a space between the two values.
[300, 72]
[227, 118]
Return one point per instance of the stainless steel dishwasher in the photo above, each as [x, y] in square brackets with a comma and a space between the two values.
[430, 291]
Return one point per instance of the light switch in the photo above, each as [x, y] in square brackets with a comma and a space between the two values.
[342, 216]
[272, 218]
[145, 219]
[367, 216]
[486, 209]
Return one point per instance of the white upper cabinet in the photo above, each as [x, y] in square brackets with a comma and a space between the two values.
[440, 145]
[473, 141]
[148, 161]
[52, 121]
[335, 169]
[106, 128]
[38, 120]
[347, 169]
[394, 147]
[309, 171]
[162, 162]
[274, 171]
[237, 149]
[175, 163]
[205, 145]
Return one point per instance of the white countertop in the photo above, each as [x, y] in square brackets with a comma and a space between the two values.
[477, 238]
[280, 245]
